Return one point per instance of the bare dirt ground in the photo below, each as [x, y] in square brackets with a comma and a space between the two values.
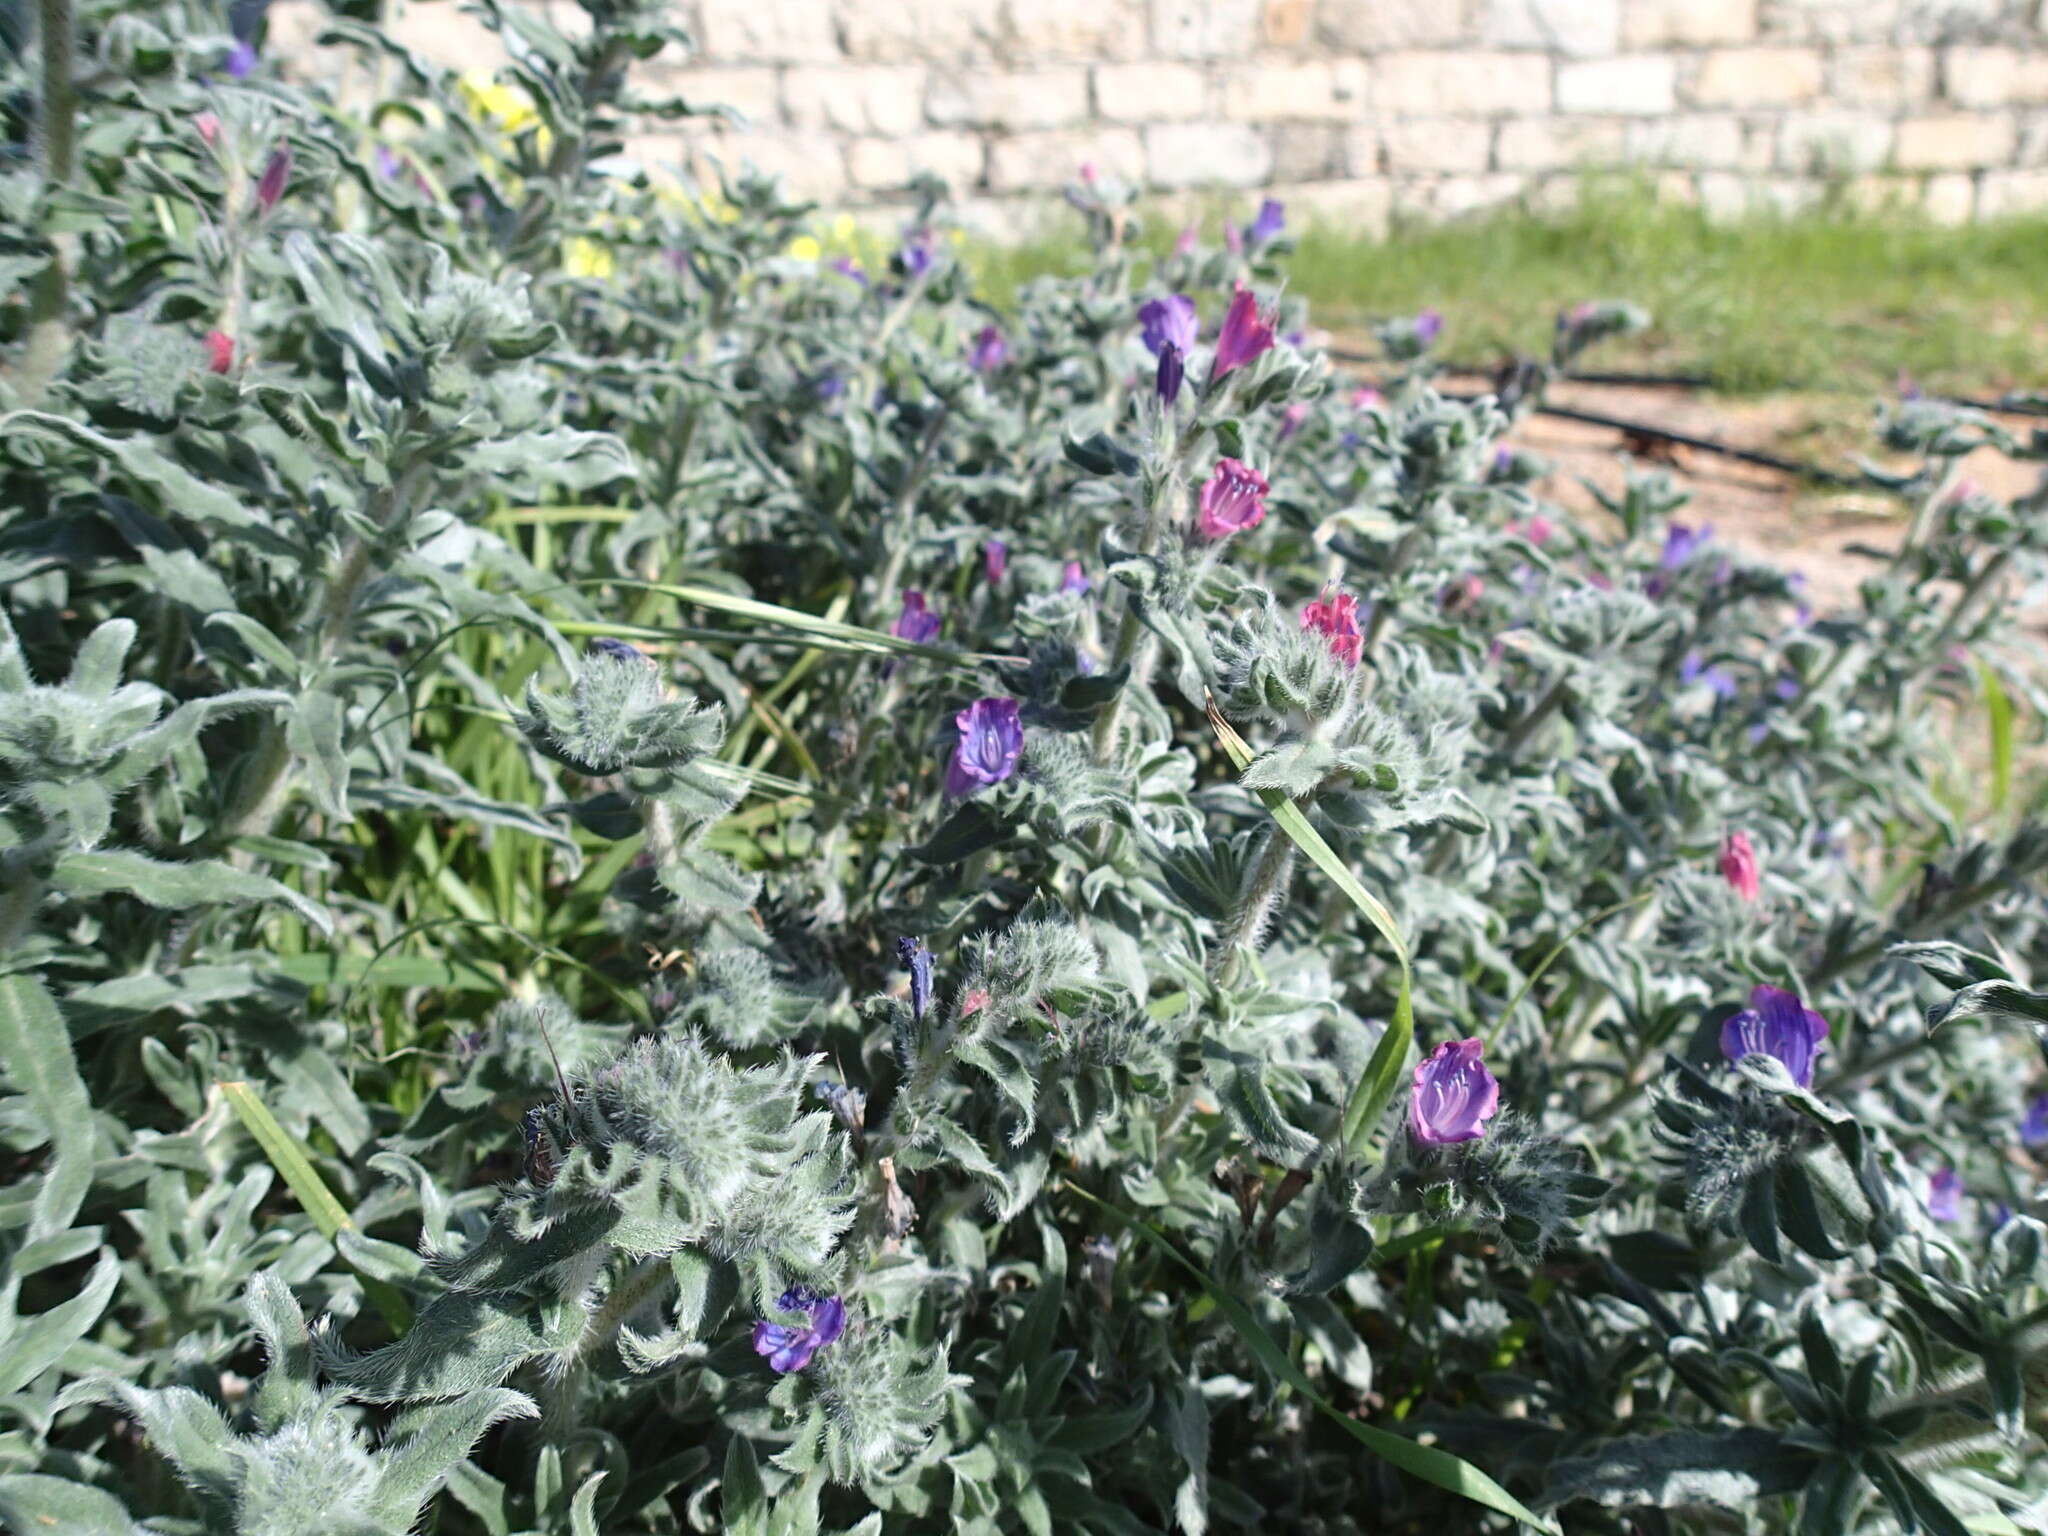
[1800, 526]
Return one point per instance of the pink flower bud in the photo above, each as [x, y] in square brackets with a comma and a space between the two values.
[220, 351]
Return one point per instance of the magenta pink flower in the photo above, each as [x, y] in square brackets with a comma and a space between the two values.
[277, 174]
[1247, 331]
[1365, 398]
[1336, 618]
[220, 351]
[1454, 1094]
[1233, 499]
[1189, 234]
[1739, 866]
[1292, 418]
[995, 560]
[208, 125]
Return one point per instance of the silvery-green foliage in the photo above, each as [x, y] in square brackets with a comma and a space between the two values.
[555, 999]
[307, 1465]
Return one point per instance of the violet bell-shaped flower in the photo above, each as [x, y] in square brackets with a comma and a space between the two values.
[917, 960]
[1271, 220]
[1454, 1095]
[1168, 322]
[1166, 383]
[916, 623]
[2034, 1124]
[1777, 1024]
[789, 1346]
[991, 742]
[1945, 1195]
[995, 560]
[989, 352]
[1247, 332]
[1233, 500]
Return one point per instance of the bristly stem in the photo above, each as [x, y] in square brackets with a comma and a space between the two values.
[49, 337]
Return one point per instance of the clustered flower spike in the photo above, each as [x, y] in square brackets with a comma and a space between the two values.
[789, 1346]
[1168, 322]
[1454, 1094]
[1739, 865]
[991, 741]
[1336, 618]
[1776, 1023]
[995, 560]
[220, 351]
[1247, 331]
[916, 623]
[1233, 499]
[1271, 220]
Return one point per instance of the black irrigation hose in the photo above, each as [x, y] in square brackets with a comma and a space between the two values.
[1803, 471]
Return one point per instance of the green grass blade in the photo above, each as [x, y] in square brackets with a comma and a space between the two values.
[846, 635]
[289, 1159]
[1563, 944]
[1376, 1088]
[1998, 713]
[1450, 1473]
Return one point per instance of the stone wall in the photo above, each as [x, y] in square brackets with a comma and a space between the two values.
[1366, 109]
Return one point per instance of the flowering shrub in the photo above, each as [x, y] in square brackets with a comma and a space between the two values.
[657, 876]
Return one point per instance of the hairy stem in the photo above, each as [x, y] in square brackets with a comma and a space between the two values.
[49, 336]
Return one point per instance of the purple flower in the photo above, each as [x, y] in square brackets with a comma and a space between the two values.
[847, 267]
[1247, 331]
[277, 172]
[1168, 322]
[241, 61]
[991, 741]
[1233, 499]
[995, 559]
[1190, 235]
[916, 623]
[388, 163]
[1292, 418]
[917, 960]
[1073, 579]
[1786, 688]
[1694, 669]
[1454, 1094]
[1272, 218]
[1776, 1023]
[2034, 1124]
[1945, 1195]
[828, 386]
[1428, 326]
[917, 252]
[618, 650]
[789, 1346]
[989, 351]
[1682, 543]
[1171, 371]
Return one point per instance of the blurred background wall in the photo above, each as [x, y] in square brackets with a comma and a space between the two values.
[1359, 110]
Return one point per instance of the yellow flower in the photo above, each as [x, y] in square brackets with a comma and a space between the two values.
[506, 105]
[586, 258]
[844, 230]
[805, 248]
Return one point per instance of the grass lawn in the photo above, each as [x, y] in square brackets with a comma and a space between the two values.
[1832, 300]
